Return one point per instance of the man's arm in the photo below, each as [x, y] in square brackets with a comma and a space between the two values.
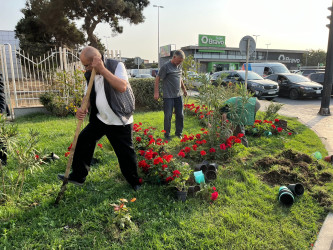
[183, 87]
[156, 88]
[115, 82]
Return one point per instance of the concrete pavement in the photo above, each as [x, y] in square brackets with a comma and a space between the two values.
[307, 113]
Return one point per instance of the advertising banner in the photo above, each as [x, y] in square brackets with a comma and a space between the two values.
[165, 50]
[211, 41]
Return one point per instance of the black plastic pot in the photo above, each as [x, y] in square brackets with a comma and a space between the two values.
[286, 197]
[192, 190]
[181, 195]
[210, 175]
[297, 188]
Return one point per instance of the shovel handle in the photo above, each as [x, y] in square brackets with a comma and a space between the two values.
[78, 127]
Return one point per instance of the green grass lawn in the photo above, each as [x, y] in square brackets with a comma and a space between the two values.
[246, 215]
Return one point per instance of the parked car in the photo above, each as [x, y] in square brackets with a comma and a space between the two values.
[193, 79]
[144, 76]
[306, 72]
[319, 78]
[260, 87]
[296, 86]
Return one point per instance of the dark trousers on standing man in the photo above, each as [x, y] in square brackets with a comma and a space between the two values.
[120, 138]
[168, 105]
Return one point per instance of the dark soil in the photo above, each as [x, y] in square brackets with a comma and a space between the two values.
[294, 167]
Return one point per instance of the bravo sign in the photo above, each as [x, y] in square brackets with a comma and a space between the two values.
[211, 41]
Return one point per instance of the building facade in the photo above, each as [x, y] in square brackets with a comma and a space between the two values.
[213, 55]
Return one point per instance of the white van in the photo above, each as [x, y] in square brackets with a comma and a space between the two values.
[265, 69]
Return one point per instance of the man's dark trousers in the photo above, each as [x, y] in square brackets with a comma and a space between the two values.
[120, 138]
[168, 105]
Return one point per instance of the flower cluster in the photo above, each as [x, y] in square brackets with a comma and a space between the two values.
[122, 212]
[266, 128]
[144, 138]
[196, 146]
[201, 112]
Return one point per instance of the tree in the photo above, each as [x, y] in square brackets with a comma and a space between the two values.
[130, 64]
[92, 12]
[37, 36]
[314, 57]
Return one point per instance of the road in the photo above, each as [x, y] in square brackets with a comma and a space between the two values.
[306, 110]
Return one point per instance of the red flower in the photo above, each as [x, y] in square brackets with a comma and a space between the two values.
[181, 154]
[150, 136]
[151, 141]
[176, 173]
[167, 157]
[198, 136]
[168, 179]
[187, 149]
[290, 133]
[202, 116]
[203, 152]
[140, 123]
[100, 145]
[195, 147]
[222, 146]
[203, 129]
[214, 188]
[273, 126]
[36, 157]
[214, 196]
[67, 154]
[164, 166]
[279, 129]
[163, 131]
[142, 152]
[240, 135]
[212, 150]
[203, 141]
[158, 160]
[276, 120]
[140, 180]
[70, 147]
[238, 140]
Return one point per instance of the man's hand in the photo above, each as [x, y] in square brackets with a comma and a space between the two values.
[156, 96]
[81, 114]
[98, 64]
[185, 93]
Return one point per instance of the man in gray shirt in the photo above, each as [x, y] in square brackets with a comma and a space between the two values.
[171, 75]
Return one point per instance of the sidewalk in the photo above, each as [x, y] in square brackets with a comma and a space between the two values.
[307, 113]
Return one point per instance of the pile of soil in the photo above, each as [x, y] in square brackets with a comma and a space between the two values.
[294, 167]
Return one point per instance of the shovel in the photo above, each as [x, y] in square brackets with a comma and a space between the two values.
[78, 128]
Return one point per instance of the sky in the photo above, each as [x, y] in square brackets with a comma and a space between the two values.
[284, 24]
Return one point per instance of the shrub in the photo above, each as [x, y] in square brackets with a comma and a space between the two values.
[143, 90]
[66, 93]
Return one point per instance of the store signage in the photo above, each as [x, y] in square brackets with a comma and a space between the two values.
[287, 59]
[211, 41]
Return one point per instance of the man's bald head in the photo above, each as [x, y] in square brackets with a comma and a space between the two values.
[88, 53]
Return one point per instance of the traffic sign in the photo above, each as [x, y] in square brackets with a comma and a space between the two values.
[138, 60]
[243, 45]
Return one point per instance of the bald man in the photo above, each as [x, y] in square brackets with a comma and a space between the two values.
[111, 106]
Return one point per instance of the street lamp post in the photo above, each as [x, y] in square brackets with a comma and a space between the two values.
[267, 44]
[158, 31]
[255, 51]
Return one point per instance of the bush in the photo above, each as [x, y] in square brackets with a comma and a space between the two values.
[65, 94]
[143, 90]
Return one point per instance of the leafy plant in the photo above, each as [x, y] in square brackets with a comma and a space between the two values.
[271, 111]
[122, 212]
[178, 175]
[66, 94]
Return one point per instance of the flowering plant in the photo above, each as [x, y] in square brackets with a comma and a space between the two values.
[178, 175]
[266, 128]
[122, 212]
[208, 193]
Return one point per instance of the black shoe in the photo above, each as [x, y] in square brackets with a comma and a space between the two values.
[179, 136]
[71, 180]
[136, 187]
[167, 137]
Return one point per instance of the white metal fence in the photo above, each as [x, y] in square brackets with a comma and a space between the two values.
[26, 77]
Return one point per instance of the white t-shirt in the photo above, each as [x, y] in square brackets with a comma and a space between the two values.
[105, 113]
